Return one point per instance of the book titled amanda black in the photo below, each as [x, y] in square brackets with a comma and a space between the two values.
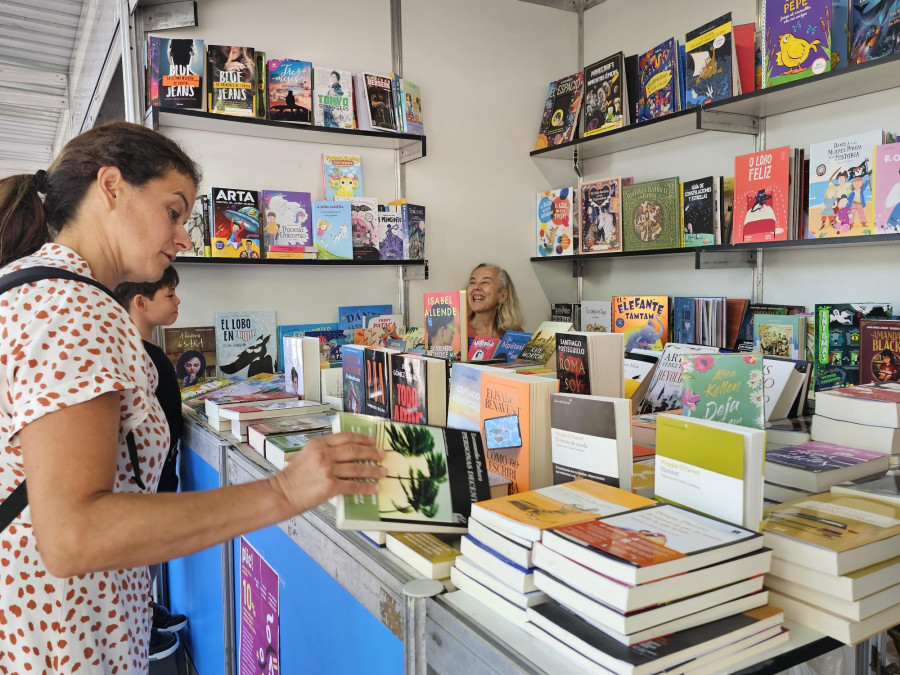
[434, 477]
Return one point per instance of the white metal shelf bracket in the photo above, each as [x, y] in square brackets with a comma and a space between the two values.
[732, 123]
[716, 260]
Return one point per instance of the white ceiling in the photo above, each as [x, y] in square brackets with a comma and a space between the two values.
[37, 44]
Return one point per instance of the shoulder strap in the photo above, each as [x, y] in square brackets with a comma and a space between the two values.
[15, 503]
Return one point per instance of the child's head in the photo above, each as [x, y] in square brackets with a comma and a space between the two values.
[154, 302]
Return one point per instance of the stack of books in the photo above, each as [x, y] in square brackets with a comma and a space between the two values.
[836, 567]
[242, 415]
[796, 471]
[865, 416]
[496, 565]
[654, 588]
[431, 557]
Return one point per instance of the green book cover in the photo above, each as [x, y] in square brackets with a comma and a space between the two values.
[724, 388]
[651, 215]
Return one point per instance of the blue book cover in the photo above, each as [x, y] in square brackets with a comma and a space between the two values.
[817, 457]
[464, 404]
[874, 28]
[511, 345]
[354, 316]
[683, 320]
[331, 342]
[298, 329]
[354, 379]
[245, 343]
[840, 34]
[656, 82]
[331, 230]
[343, 176]
[708, 68]
[414, 230]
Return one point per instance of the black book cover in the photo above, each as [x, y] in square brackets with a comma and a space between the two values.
[408, 389]
[699, 212]
[231, 80]
[572, 363]
[631, 85]
[378, 392]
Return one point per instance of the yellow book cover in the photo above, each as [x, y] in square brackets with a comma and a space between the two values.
[562, 504]
[835, 522]
[426, 545]
[643, 319]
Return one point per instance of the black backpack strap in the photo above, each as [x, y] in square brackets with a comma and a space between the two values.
[13, 505]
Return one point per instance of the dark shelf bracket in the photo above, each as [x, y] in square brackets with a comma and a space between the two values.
[577, 269]
[733, 123]
[717, 260]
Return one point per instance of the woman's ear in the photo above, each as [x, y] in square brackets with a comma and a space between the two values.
[504, 294]
[110, 183]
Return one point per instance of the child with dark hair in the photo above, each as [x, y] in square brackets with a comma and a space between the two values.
[151, 304]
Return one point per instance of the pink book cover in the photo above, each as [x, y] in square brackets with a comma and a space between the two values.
[761, 192]
[887, 188]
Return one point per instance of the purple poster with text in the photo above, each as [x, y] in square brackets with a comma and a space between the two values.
[258, 633]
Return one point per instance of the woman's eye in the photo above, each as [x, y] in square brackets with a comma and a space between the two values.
[173, 214]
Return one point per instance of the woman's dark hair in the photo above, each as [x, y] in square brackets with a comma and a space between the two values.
[187, 356]
[440, 314]
[139, 153]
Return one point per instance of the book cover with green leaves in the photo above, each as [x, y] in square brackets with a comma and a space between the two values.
[724, 388]
[651, 215]
[434, 477]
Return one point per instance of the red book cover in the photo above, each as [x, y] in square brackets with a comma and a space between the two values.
[745, 48]
[482, 348]
[879, 346]
[445, 324]
[761, 192]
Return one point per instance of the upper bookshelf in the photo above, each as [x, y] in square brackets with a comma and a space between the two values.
[411, 147]
[300, 263]
[740, 114]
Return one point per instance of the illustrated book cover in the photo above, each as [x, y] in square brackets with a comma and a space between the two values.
[288, 220]
[887, 189]
[724, 388]
[332, 98]
[245, 343]
[651, 215]
[289, 91]
[354, 376]
[657, 82]
[701, 211]
[556, 229]
[378, 104]
[837, 341]
[342, 176]
[234, 220]
[364, 224]
[356, 316]
[796, 40]
[879, 345]
[562, 110]
[445, 324]
[331, 230]
[710, 63]
[761, 196]
[409, 106]
[231, 80]
[643, 319]
[605, 103]
[175, 72]
[874, 25]
[601, 216]
[192, 352]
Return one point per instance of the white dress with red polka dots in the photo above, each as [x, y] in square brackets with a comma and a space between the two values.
[62, 343]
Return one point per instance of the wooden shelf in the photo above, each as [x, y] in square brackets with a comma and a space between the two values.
[411, 147]
[263, 262]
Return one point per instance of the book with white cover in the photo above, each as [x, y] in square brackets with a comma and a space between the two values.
[816, 466]
[476, 573]
[851, 586]
[302, 363]
[854, 610]
[519, 553]
[863, 436]
[488, 597]
[596, 316]
[875, 404]
[840, 628]
[520, 579]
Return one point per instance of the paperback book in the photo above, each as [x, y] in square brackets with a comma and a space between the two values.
[596, 316]
[725, 388]
[879, 351]
[409, 106]
[197, 228]
[231, 78]
[873, 29]
[701, 212]
[511, 344]
[562, 110]
[710, 72]
[288, 220]
[175, 72]
[837, 341]
[665, 391]
[887, 188]
[797, 40]
[289, 95]
[331, 230]
[364, 224]
[445, 324]
[376, 107]
[377, 364]
[541, 347]
[601, 216]
[356, 316]
[604, 95]
[192, 352]
[245, 343]
[816, 466]
[482, 348]
[556, 231]
[392, 245]
[643, 319]
[464, 405]
[234, 219]
[354, 376]
[657, 82]
[434, 477]
[761, 196]
[333, 98]
[651, 215]
[418, 389]
[342, 175]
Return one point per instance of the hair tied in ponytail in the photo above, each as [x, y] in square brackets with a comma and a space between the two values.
[40, 181]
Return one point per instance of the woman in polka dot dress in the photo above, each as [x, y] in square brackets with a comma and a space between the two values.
[75, 380]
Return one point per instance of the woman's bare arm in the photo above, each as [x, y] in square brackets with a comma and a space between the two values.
[82, 526]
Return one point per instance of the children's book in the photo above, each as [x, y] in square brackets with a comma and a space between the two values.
[887, 189]
[332, 98]
[724, 388]
[782, 335]
[245, 343]
[376, 107]
[710, 72]
[192, 352]
[197, 228]
[446, 324]
[231, 80]
[391, 243]
[745, 339]
[289, 93]
[700, 199]
[288, 219]
[601, 216]
[761, 196]
[657, 82]
[434, 476]
[837, 337]
[710, 467]
[355, 316]
[511, 344]
[354, 375]
[874, 25]
[482, 348]
[556, 232]
[651, 215]
[409, 106]
[331, 230]
[840, 185]
[541, 348]
[879, 351]
[644, 320]
[175, 72]
[234, 219]
[797, 40]
[605, 102]
[414, 230]
[596, 316]
[562, 110]
[364, 222]
[299, 329]
[331, 343]
[342, 175]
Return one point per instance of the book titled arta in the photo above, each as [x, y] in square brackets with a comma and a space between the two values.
[234, 220]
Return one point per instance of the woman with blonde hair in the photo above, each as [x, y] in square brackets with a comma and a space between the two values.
[492, 302]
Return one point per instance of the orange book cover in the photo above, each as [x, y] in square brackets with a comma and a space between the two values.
[644, 319]
[445, 324]
[506, 428]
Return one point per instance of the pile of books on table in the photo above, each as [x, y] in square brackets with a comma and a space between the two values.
[616, 581]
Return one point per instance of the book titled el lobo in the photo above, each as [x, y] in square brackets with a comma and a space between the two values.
[434, 477]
